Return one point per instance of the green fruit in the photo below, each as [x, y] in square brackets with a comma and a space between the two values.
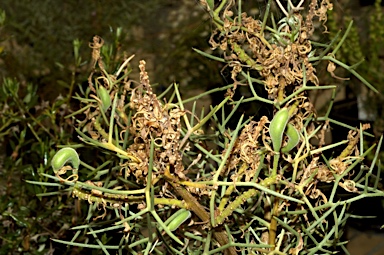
[64, 156]
[179, 218]
[277, 127]
[293, 138]
[104, 98]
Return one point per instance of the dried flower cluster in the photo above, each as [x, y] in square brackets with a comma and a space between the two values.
[247, 148]
[281, 63]
[153, 120]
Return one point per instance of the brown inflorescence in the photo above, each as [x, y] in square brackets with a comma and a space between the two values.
[153, 120]
[280, 62]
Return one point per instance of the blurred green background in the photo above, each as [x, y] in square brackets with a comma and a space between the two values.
[38, 35]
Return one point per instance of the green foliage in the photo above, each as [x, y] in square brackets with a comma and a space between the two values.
[245, 190]
[35, 48]
[29, 133]
[150, 176]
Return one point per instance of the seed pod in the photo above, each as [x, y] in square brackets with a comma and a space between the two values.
[277, 127]
[181, 216]
[104, 98]
[64, 156]
[293, 138]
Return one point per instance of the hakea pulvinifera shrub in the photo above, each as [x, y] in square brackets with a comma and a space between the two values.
[168, 184]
